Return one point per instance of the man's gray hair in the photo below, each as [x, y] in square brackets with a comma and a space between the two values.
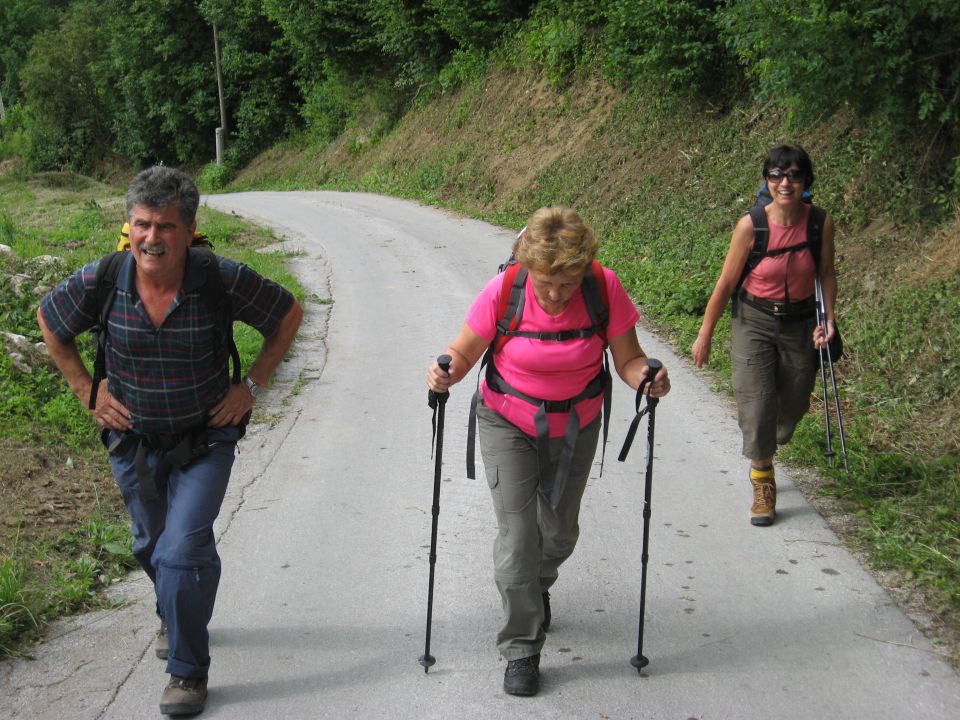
[159, 187]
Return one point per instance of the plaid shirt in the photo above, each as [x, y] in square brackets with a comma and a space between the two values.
[168, 377]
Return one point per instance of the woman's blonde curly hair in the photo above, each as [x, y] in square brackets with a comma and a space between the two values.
[555, 240]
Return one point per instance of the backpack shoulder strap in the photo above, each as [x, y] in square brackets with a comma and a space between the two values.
[105, 286]
[212, 292]
[815, 223]
[214, 295]
[513, 293]
[105, 282]
[596, 298]
[761, 238]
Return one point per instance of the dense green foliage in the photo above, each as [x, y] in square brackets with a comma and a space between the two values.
[141, 80]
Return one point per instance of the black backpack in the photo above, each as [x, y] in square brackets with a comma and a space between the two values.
[213, 293]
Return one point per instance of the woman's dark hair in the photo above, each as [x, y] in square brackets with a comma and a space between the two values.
[783, 156]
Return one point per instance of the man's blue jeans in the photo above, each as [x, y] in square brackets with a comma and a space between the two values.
[174, 543]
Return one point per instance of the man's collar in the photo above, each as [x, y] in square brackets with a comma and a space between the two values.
[194, 278]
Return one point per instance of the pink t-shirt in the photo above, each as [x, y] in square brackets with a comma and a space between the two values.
[796, 269]
[547, 369]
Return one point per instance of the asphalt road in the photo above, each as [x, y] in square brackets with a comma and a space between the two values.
[325, 539]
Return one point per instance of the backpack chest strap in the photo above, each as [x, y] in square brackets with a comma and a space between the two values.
[559, 336]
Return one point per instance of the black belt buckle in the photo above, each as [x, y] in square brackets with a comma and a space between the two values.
[558, 406]
[780, 309]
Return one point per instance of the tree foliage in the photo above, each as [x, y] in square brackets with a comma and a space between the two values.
[141, 77]
[162, 56]
[898, 58]
[64, 81]
[675, 42]
[262, 100]
[20, 22]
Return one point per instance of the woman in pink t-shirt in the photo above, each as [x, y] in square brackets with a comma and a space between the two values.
[774, 321]
[538, 410]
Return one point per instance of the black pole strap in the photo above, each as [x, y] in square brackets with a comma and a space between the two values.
[653, 367]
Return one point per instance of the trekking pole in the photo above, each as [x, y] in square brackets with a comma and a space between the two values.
[822, 353]
[822, 321]
[640, 661]
[436, 401]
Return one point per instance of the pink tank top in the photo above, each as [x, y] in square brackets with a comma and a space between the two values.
[792, 272]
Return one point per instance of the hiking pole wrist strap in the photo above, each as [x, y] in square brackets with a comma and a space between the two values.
[653, 367]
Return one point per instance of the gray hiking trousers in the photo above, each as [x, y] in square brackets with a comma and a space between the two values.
[534, 538]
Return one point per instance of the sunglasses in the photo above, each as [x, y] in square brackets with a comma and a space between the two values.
[776, 175]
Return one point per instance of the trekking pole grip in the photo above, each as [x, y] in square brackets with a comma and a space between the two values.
[653, 367]
[433, 397]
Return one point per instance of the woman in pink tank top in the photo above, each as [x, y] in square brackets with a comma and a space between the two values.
[538, 411]
[775, 333]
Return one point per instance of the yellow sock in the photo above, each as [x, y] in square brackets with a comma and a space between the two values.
[761, 473]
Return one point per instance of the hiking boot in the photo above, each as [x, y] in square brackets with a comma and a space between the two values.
[763, 510]
[545, 625]
[522, 677]
[184, 696]
[161, 646]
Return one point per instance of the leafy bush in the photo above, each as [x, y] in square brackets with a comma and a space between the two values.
[213, 177]
[815, 56]
[674, 42]
[464, 65]
[329, 105]
[13, 133]
[69, 109]
[561, 36]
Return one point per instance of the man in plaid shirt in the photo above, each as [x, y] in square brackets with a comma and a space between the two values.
[168, 386]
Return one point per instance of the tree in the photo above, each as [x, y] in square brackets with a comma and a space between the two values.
[262, 99]
[675, 43]
[20, 22]
[162, 60]
[900, 59]
[65, 86]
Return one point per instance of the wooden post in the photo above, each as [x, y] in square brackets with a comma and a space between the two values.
[222, 130]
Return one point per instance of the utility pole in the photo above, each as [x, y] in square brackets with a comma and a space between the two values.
[221, 132]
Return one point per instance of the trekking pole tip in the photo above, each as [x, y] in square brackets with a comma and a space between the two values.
[639, 662]
[427, 661]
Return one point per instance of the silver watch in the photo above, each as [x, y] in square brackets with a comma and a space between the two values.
[251, 385]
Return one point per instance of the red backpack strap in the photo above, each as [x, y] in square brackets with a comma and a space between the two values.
[510, 307]
[597, 269]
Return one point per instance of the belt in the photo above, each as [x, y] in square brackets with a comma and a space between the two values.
[799, 310]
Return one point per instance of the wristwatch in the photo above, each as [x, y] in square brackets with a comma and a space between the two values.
[251, 385]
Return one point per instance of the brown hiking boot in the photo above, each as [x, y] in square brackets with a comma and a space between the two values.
[764, 508]
[161, 645]
[184, 696]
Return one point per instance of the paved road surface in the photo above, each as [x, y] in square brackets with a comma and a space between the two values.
[325, 536]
